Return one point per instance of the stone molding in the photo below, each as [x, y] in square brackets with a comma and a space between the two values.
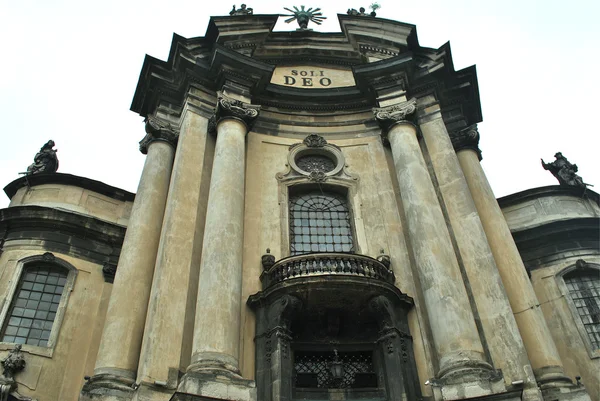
[236, 109]
[389, 116]
[157, 130]
[467, 138]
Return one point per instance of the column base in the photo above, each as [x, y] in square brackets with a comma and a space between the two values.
[468, 379]
[216, 363]
[552, 377]
[571, 393]
[107, 387]
[201, 385]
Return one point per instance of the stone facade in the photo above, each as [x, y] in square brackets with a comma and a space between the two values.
[312, 222]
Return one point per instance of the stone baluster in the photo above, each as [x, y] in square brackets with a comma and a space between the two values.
[119, 351]
[539, 344]
[456, 339]
[217, 326]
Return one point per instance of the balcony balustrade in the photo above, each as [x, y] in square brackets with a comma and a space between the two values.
[326, 264]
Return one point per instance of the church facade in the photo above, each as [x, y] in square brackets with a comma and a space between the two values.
[312, 222]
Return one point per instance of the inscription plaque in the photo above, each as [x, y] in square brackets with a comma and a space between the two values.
[312, 77]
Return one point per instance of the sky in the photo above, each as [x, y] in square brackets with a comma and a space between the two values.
[69, 71]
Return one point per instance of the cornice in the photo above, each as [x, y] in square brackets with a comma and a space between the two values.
[73, 234]
[548, 191]
[70, 180]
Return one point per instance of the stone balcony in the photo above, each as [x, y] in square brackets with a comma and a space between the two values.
[325, 264]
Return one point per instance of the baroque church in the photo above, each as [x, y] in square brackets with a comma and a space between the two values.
[312, 222]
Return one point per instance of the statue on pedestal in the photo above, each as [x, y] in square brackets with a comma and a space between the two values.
[243, 10]
[45, 161]
[564, 171]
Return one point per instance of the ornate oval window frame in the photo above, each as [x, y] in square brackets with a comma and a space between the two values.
[316, 145]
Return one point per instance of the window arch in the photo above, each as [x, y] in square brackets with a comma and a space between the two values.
[319, 222]
[39, 297]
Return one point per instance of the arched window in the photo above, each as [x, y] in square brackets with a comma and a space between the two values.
[320, 222]
[36, 302]
[583, 285]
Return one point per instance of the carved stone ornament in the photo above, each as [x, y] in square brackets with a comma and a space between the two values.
[267, 260]
[48, 257]
[388, 116]
[45, 161]
[314, 141]
[157, 130]
[564, 171]
[108, 271]
[243, 10]
[467, 138]
[233, 108]
[315, 160]
[13, 363]
[304, 16]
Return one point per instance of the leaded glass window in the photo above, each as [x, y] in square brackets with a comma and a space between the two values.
[320, 222]
[35, 304]
[584, 290]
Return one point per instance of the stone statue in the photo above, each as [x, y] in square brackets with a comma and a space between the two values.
[564, 171]
[243, 10]
[303, 16]
[45, 161]
[361, 11]
[13, 363]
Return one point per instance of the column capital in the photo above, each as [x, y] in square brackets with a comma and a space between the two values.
[235, 109]
[389, 116]
[467, 138]
[157, 130]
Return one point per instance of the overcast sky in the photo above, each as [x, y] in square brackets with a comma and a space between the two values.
[69, 71]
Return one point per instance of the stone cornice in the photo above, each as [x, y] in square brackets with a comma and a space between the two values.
[215, 59]
[71, 180]
[157, 130]
[62, 232]
[467, 138]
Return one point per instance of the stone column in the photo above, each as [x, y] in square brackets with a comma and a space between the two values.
[539, 344]
[119, 351]
[164, 331]
[218, 309]
[493, 308]
[456, 340]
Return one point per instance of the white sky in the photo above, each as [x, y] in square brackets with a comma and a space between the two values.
[69, 71]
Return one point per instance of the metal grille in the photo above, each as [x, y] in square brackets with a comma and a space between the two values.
[320, 222]
[316, 163]
[357, 366]
[34, 307]
[584, 290]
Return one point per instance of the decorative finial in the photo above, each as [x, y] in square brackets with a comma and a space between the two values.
[45, 161]
[304, 16]
[243, 10]
[564, 171]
